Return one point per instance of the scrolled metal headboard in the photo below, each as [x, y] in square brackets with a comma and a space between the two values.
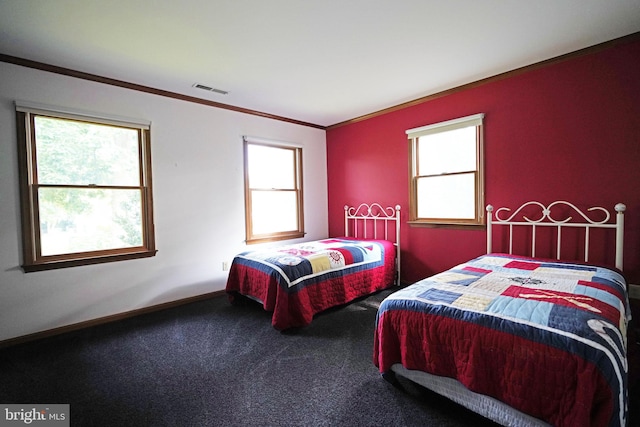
[517, 218]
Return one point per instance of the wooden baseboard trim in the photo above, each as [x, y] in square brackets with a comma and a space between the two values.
[107, 319]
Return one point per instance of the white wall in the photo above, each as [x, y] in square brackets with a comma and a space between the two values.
[198, 203]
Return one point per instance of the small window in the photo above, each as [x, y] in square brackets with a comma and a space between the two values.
[273, 191]
[85, 189]
[447, 177]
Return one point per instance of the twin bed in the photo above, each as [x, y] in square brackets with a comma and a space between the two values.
[296, 282]
[521, 340]
[524, 341]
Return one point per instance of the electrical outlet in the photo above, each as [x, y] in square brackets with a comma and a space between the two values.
[225, 266]
[634, 291]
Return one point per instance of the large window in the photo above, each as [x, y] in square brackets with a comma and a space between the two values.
[447, 177]
[85, 188]
[273, 191]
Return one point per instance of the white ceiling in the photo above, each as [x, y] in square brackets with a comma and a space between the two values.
[322, 61]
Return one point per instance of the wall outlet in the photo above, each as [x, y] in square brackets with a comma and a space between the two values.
[225, 265]
[634, 291]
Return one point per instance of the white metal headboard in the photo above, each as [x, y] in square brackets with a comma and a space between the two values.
[546, 220]
[372, 221]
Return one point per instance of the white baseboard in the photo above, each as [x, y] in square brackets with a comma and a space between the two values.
[634, 291]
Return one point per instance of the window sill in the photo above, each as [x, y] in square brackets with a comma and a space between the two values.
[275, 238]
[53, 265]
[451, 225]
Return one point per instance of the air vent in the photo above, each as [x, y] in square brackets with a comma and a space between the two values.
[210, 89]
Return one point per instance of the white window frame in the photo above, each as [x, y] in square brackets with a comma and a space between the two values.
[33, 260]
[251, 236]
[413, 136]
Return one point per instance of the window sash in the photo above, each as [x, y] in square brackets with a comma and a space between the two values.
[113, 153]
[450, 151]
[118, 229]
[35, 208]
[282, 211]
[272, 167]
[447, 197]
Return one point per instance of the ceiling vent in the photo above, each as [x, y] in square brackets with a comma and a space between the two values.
[210, 89]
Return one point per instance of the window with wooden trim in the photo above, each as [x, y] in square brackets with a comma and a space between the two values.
[447, 172]
[85, 185]
[273, 191]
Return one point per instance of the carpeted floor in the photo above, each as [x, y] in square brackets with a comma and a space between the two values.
[212, 364]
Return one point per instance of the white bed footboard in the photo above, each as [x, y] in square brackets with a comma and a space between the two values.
[372, 221]
[518, 218]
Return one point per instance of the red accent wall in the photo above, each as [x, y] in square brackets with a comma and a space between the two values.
[565, 131]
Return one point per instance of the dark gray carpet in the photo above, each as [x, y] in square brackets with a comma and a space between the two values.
[213, 364]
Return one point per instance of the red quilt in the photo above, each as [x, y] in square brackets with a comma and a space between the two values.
[296, 282]
[546, 338]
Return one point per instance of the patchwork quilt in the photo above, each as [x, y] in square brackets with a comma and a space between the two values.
[298, 281]
[546, 337]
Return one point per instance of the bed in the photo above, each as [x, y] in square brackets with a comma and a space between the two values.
[297, 281]
[521, 340]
